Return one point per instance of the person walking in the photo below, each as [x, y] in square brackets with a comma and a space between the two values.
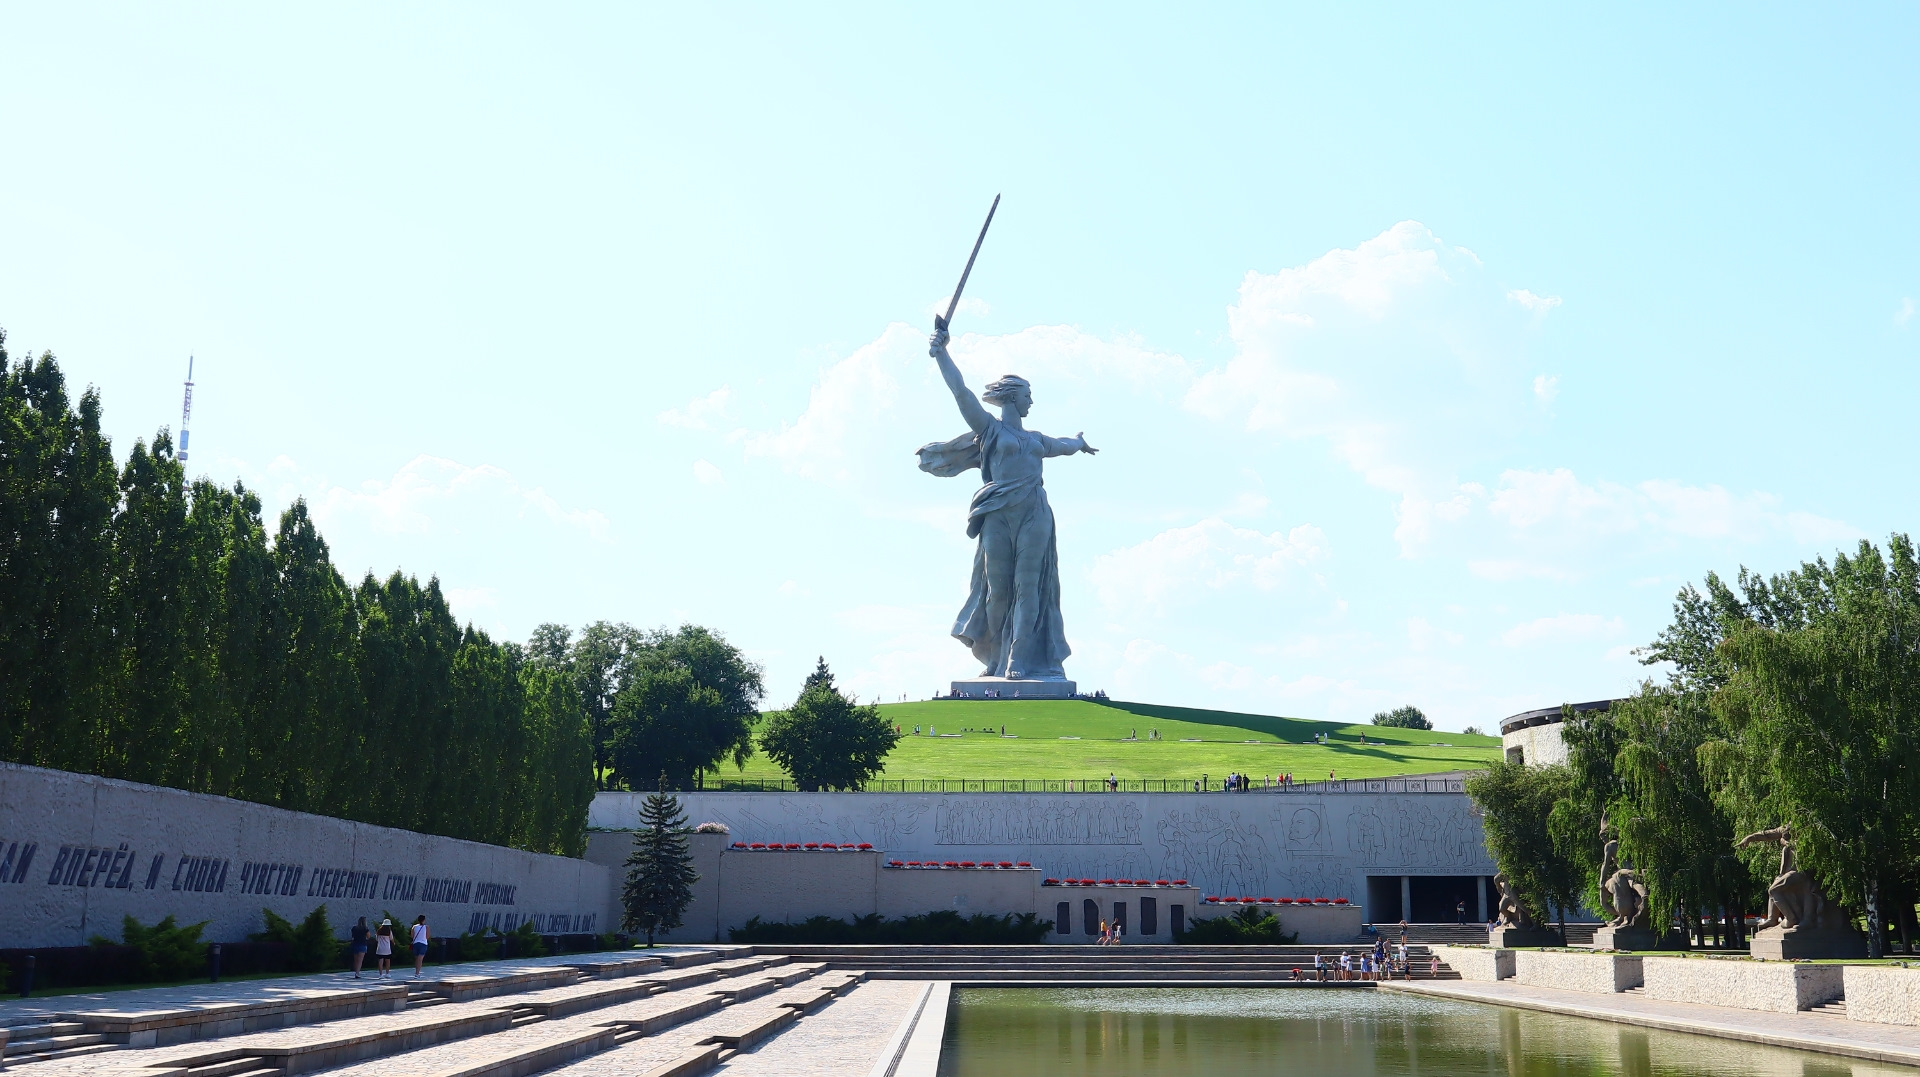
[420, 939]
[383, 947]
[358, 946]
[1460, 910]
[1403, 931]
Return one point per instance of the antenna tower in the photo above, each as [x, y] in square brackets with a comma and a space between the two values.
[186, 411]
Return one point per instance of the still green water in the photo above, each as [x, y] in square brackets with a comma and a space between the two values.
[1177, 1032]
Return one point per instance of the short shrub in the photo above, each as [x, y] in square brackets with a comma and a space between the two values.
[1250, 926]
[166, 951]
[313, 946]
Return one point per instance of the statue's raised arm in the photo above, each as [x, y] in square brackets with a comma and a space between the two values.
[970, 407]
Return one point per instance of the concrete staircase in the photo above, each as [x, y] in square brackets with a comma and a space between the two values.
[491, 1020]
[41, 1041]
[679, 1012]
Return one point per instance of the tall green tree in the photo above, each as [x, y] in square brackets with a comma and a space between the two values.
[688, 700]
[59, 669]
[311, 745]
[162, 591]
[1516, 802]
[149, 630]
[660, 873]
[1637, 765]
[825, 740]
[1819, 714]
[560, 778]
[603, 663]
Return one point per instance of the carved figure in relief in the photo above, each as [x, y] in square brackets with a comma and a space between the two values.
[1793, 898]
[1306, 830]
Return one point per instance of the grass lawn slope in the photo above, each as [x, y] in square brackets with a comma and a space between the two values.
[1081, 740]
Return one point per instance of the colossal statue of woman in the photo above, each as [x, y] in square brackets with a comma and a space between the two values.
[1011, 621]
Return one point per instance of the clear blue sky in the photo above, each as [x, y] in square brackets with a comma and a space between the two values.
[1430, 351]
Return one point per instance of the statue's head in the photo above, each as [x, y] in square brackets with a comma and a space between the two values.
[1010, 391]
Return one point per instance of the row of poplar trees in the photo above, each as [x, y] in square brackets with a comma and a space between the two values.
[152, 629]
[1794, 700]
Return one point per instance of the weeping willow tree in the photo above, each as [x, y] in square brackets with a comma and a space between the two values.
[1516, 801]
[1818, 711]
[1657, 797]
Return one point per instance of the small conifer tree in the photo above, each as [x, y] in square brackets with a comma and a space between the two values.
[660, 873]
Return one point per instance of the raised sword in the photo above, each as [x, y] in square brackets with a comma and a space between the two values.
[947, 321]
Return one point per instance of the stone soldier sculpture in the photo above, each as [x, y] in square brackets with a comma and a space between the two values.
[1800, 922]
[1623, 900]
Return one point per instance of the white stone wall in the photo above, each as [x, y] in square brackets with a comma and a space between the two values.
[1318, 844]
[1477, 962]
[78, 853]
[1882, 993]
[1599, 974]
[1541, 744]
[1775, 986]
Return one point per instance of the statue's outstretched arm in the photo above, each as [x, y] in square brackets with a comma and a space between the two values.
[1067, 446]
[970, 407]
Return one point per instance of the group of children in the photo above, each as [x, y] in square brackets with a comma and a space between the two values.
[1379, 963]
[1111, 934]
[381, 941]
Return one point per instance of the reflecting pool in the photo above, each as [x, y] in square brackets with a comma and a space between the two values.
[1176, 1032]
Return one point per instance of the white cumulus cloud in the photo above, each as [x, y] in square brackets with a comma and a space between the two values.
[1402, 354]
[1210, 556]
[700, 413]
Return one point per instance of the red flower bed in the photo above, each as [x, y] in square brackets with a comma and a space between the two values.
[1179, 882]
[1004, 864]
[1024, 864]
[1285, 901]
[895, 864]
[1049, 882]
[1086, 882]
[866, 845]
[758, 845]
[949, 863]
[739, 845]
[1106, 882]
[811, 845]
[793, 845]
[1321, 901]
[967, 864]
[1339, 901]
[913, 863]
[1159, 882]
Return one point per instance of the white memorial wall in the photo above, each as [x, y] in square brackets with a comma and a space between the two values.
[1322, 843]
[78, 853]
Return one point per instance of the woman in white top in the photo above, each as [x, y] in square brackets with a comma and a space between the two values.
[419, 944]
[383, 947]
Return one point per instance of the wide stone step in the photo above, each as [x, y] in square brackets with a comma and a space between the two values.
[44, 1030]
[247, 1066]
[43, 1045]
[64, 1053]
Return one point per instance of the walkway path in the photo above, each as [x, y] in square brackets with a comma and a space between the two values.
[1802, 1031]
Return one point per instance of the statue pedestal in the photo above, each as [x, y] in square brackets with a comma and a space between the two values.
[1513, 938]
[1625, 938]
[1800, 943]
[1003, 688]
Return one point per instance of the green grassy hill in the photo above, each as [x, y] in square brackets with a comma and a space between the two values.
[1081, 740]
